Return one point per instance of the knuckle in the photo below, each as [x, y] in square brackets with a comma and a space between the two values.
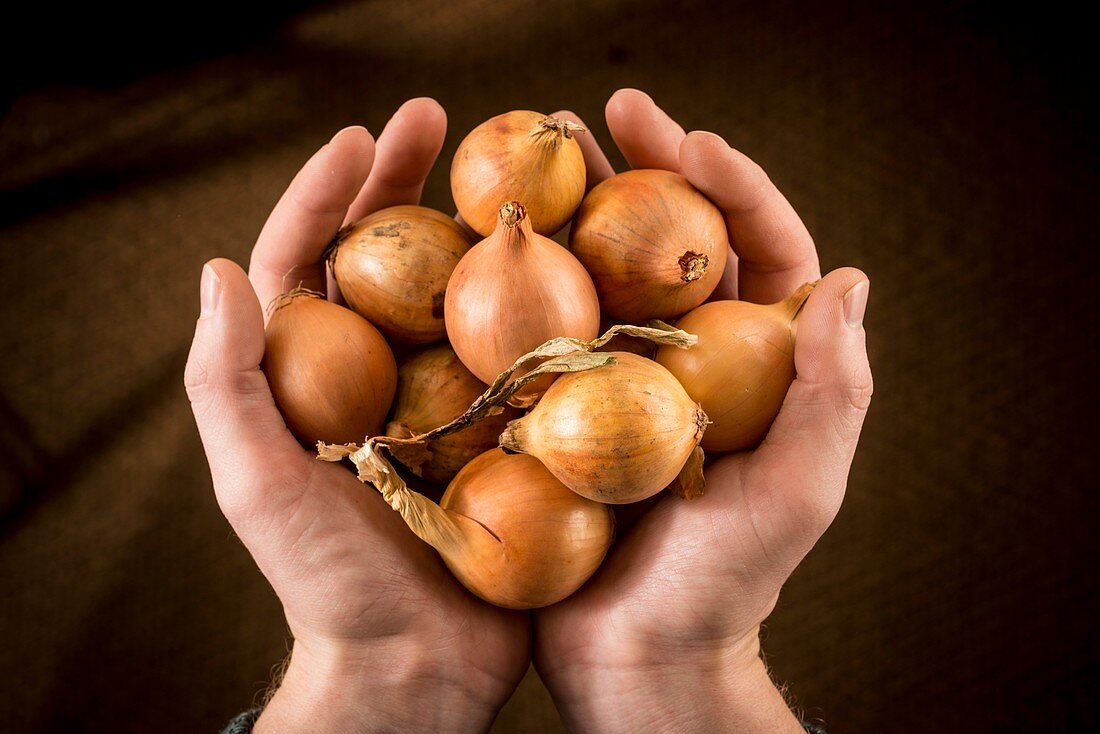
[204, 384]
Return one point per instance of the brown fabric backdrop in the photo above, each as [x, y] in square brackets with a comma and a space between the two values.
[947, 152]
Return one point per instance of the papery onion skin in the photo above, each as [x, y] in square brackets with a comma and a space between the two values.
[741, 367]
[511, 293]
[393, 266]
[614, 434]
[550, 539]
[654, 246]
[519, 156]
[433, 388]
[332, 374]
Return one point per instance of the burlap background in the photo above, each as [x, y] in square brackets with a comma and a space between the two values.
[947, 152]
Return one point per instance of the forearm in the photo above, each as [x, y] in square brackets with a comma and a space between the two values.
[717, 695]
[323, 693]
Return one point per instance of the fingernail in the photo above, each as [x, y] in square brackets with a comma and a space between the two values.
[349, 127]
[208, 291]
[855, 303]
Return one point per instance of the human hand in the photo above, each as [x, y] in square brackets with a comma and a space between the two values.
[666, 635]
[384, 638]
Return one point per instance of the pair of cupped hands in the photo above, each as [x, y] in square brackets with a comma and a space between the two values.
[665, 636]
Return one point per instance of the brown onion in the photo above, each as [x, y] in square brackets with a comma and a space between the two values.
[519, 156]
[654, 246]
[508, 530]
[741, 367]
[331, 373]
[615, 434]
[513, 291]
[433, 388]
[546, 541]
[393, 266]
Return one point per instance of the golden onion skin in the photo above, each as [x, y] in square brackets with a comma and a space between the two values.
[654, 246]
[741, 367]
[393, 266]
[511, 293]
[614, 434]
[519, 156]
[332, 374]
[551, 540]
[433, 388]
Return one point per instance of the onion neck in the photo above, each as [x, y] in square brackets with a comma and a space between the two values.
[514, 226]
[449, 533]
[553, 131]
[514, 437]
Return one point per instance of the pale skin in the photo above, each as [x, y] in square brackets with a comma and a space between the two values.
[665, 636]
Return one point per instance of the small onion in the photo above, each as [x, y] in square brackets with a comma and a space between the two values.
[511, 293]
[614, 434]
[331, 373]
[519, 156]
[433, 388]
[741, 367]
[654, 246]
[393, 267]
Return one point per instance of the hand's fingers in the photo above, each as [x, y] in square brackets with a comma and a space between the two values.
[795, 480]
[289, 249]
[407, 150]
[596, 166]
[775, 252]
[646, 136]
[241, 429]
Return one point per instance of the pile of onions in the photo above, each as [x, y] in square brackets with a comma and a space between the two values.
[505, 392]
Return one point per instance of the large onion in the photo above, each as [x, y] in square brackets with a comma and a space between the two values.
[741, 367]
[331, 372]
[512, 292]
[545, 540]
[614, 434]
[519, 156]
[393, 267]
[654, 246]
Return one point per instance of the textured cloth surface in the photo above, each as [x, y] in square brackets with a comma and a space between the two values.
[949, 154]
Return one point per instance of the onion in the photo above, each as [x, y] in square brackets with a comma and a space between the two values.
[433, 388]
[331, 373]
[616, 434]
[519, 156]
[508, 530]
[543, 541]
[393, 267]
[741, 367]
[514, 291]
[654, 246]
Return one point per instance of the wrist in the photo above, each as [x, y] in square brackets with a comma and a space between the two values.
[394, 688]
[704, 690]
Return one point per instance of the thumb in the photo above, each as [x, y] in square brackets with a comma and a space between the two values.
[804, 461]
[241, 429]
